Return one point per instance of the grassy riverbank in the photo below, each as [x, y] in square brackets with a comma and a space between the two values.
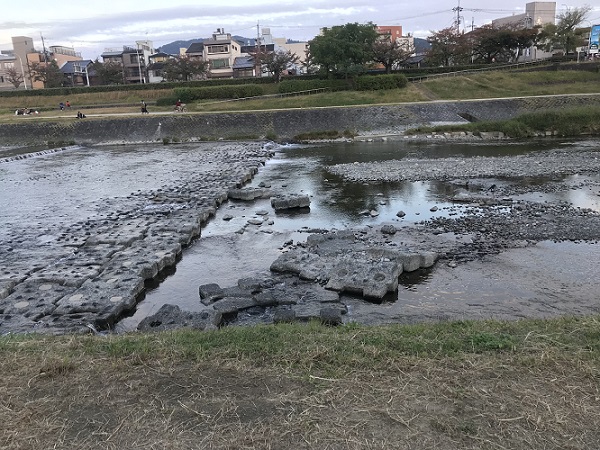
[529, 384]
[468, 385]
[469, 86]
[569, 122]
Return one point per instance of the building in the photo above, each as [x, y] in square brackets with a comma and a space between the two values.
[220, 52]
[79, 73]
[25, 55]
[22, 46]
[134, 60]
[195, 51]
[156, 64]
[537, 14]
[8, 62]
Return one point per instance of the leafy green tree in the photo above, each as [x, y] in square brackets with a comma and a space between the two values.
[448, 48]
[47, 73]
[500, 44]
[391, 52]
[109, 72]
[565, 35]
[277, 62]
[344, 49]
[185, 69]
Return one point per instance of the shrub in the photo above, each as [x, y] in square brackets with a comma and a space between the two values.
[380, 82]
[288, 86]
[189, 94]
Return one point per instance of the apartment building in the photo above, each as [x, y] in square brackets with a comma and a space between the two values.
[537, 14]
[8, 62]
[220, 51]
[134, 60]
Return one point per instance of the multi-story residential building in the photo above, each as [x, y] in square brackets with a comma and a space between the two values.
[134, 60]
[26, 55]
[537, 14]
[394, 33]
[194, 51]
[220, 51]
[22, 46]
[8, 62]
[156, 65]
[79, 73]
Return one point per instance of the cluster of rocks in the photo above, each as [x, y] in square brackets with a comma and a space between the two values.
[93, 271]
[307, 282]
[552, 163]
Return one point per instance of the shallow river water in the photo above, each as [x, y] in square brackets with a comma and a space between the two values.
[41, 195]
[518, 283]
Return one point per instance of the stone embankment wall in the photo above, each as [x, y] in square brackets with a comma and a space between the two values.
[282, 124]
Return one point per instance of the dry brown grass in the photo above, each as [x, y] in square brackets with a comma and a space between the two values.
[314, 388]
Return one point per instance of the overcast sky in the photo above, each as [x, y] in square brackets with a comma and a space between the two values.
[90, 27]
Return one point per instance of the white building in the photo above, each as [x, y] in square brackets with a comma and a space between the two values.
[537, 14]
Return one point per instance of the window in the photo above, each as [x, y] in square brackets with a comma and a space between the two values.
[219, 63]
[1, 79]
[218, 49]
[134, 59]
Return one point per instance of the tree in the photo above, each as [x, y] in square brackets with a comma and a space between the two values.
[277, 62]
[48, 73]
[564, 35]
[448, 48]
[344, 49]
[391, 52]
[110, 72]
[185, 69]
[14, 77]
[309, 62]
[500, 44]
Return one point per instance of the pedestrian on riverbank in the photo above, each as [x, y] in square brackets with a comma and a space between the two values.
[61, 106]
[68, 104]
[144, 108]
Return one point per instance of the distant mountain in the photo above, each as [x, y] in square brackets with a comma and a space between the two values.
[421, 46]
[172, 48]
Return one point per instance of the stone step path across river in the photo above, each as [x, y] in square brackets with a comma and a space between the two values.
[95, 269]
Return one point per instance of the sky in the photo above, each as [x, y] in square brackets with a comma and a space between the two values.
[92, 27]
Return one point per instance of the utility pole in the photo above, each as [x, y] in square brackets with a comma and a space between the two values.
[457, 10]
[44, 48]
[257, 57]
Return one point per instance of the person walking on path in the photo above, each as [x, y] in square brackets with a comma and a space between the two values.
[144, 107]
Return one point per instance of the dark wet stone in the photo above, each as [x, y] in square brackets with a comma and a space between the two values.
[209, 293]
[284, 315]
[229, 305]
[290, 202]
[388, 229]
[170, 317]
[331, 316]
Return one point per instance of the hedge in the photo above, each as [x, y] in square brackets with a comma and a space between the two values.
[287, 86]
[189, 94]
[67, 91]
[380, 82]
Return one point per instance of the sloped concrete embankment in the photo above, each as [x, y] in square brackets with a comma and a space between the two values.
[284, 124]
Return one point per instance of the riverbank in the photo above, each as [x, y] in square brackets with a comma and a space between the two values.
[459, 385]
[278, 125]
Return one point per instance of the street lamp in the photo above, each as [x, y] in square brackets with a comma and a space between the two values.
[22, 71]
